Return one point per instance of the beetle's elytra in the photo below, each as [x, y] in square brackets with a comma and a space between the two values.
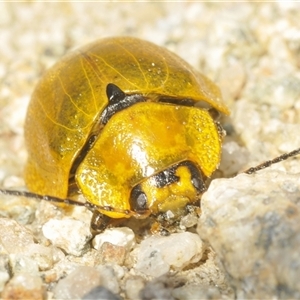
[120, 122]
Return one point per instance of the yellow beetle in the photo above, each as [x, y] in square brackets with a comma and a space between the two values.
[120, 122]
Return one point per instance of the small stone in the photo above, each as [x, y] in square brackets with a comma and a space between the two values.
[159, 254]
[22, 263]
[20, 209]
[50, 276]
[252, 222]
[188, 292]
[133, 287]
[110, 253]
[25, 255]
[157, 289]
[151, 262]
[78, 283]
[4, 276]
[4, 270]
[58, 254]
[14, 238]
[69, 234]
[24, 286]
[188, 221]
[43, 256]
[120, 236]
[100, 292]
[83, 279]
[110, 276]
[46, 211]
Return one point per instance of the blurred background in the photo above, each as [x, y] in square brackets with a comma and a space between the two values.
[251, 50]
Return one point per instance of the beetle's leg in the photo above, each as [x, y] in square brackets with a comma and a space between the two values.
[100, 222]
[158, 228]
[164, 225]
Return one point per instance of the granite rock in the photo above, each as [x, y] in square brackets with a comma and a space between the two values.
[252, 222]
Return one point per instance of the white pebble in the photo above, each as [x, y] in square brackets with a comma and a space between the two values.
[4, 276]
[14, 238]
[4, 270]
[133, 287]
[252, 223]
[122, 236]
[24, 286]
[70, 235]
[159, 254]
[77, 283]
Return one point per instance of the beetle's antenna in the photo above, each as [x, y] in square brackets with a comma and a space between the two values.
[44, 197]
[53, 199]
[268, 163]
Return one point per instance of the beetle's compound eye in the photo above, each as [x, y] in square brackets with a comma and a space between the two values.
[138, 200]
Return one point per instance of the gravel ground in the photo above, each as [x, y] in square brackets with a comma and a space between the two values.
[247, 240]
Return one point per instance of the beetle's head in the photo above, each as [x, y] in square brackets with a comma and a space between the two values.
[169, 190]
